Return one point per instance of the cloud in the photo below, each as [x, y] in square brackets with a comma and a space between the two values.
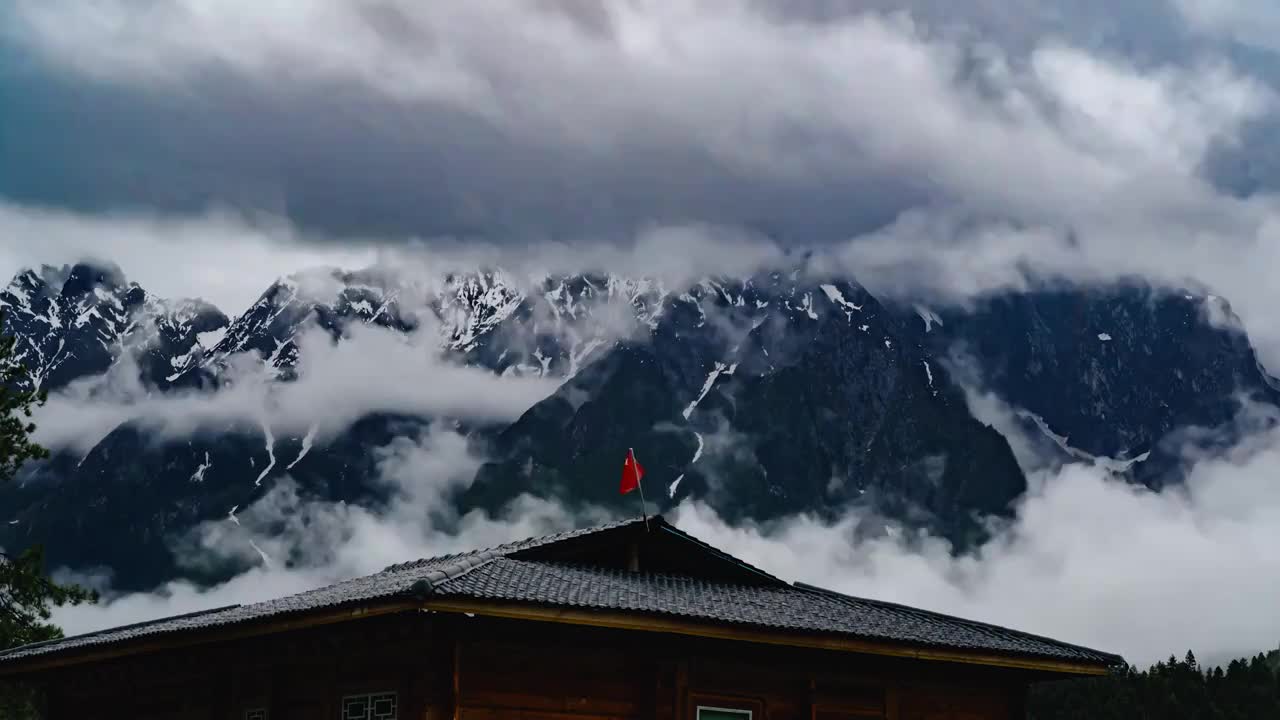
[371, 370]
[391, 115]
[1254, 24]
[229, 257]
[1034, 451]
[810, 124]
[767, 96]
[224, 257]
[953, 255]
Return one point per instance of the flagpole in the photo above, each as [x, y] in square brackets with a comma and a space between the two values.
[644, 507]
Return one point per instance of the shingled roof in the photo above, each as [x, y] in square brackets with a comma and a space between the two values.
[539, 572]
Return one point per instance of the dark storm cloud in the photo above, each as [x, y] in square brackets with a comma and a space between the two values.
[348, 163]
[545, 119]
[335, 155]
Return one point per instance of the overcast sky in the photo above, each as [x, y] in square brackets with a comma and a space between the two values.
[937, 148]
[931, 148]
[812, 121]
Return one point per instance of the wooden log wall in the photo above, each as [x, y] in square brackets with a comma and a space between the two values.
[301, 674]
[453, 667]
[534, 671]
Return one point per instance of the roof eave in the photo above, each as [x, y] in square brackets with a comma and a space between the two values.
[620, 620]
[1106, 659]
[156, 642]
[663, 623]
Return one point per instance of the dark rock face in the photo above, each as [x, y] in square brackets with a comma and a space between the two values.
[125, 504]
[1112, 371]
[764, 397]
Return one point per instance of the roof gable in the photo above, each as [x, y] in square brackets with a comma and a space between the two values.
[653, 545]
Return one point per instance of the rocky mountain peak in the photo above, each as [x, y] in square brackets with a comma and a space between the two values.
[83, 278]
[77, 320]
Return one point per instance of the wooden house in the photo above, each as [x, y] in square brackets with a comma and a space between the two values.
[626, 620]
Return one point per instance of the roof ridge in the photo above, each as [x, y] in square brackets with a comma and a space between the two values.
[518, 545]
[631, 573]
[438, 576]
[977, 624]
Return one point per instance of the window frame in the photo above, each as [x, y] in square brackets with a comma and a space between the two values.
[746, 713]
[848, 711]
[369, 694]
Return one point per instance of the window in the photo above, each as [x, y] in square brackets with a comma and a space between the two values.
[715, 713]
[374, 706]
[708, 706]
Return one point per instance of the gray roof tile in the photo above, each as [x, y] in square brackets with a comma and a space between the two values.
[783, 607]
[396, 580]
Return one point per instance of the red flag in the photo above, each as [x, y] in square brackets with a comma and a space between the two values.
[631, 473]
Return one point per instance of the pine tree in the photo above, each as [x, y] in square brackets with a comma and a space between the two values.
[27, 595]
[1169, 690]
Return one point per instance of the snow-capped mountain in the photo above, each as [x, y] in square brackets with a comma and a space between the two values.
[76, 321]
[763, 396]
[544, 325]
